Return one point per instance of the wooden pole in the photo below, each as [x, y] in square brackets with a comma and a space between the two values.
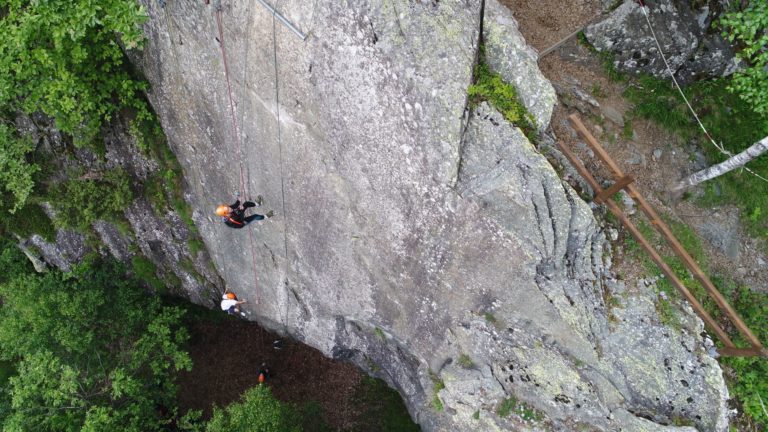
[667, 234]
[655, 256]
[614, 189]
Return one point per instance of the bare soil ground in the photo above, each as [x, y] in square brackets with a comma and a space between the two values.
[544, 23]
[227, 353]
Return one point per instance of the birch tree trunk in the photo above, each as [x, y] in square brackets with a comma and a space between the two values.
[732, 163]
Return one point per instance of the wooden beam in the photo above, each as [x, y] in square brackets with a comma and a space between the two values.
[664, 230]
[613, 190]
[742, 352]
[580, 168]
[614, 208]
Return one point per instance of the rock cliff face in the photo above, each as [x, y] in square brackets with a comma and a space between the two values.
[424, 239]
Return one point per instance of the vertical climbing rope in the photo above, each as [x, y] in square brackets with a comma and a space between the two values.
[243, 185]
[280, 150]
[719, 147]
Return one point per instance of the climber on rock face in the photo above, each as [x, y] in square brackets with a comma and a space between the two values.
[230, 304]
[234, 215]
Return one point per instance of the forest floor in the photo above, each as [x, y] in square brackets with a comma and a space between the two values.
[656, 158]
[228, 352]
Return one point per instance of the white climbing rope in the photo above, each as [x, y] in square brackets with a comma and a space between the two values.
[722, 149]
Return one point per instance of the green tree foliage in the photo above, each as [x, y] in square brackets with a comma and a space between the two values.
[15, 172]
[257, 411]
[749, 27]
[93, 352]
[81, 201]
[63, 58]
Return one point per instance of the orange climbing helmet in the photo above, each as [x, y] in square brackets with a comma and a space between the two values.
[230, 296]
[223, 210]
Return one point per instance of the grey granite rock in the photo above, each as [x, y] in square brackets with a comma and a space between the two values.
[508, 54]
[409, 229]
[68, 248]
[692, 50]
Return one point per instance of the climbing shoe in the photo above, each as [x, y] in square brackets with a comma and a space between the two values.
[258, 200]
[270, 214]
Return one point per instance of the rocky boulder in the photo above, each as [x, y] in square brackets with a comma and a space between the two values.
[693, 50]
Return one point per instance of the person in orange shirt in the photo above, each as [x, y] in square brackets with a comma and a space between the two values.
[233, 215]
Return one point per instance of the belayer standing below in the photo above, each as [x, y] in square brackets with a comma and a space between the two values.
[234, 215]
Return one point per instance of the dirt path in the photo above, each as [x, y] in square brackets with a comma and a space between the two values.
[546, 22]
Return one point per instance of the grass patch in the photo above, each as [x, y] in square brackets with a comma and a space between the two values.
[627, 133]
[598, 91]
[506, 407]
[490, 86]
[380, 334]
[490, 318]
[521, 409]
[465, 361]
[146, 271]
[438, 385]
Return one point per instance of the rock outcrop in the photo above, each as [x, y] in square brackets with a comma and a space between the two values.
[693, 50]
[423, 239]
[509, 56]
[155, 232]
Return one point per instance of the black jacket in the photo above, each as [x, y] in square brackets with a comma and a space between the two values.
[236, 219]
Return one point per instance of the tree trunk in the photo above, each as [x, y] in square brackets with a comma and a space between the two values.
[732, 163]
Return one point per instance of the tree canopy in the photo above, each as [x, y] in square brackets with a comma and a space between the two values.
[93, 351]
[63, 58]
[749, 28]
[258, 410]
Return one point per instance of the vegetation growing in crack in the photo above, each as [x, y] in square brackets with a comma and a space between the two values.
[437, 385]
[490, 86]
[511, 406]
[465, 361]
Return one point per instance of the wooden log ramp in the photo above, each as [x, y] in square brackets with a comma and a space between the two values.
[625, 182]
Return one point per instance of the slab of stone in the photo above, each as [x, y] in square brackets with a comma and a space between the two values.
[612, 114]
[508, 54]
